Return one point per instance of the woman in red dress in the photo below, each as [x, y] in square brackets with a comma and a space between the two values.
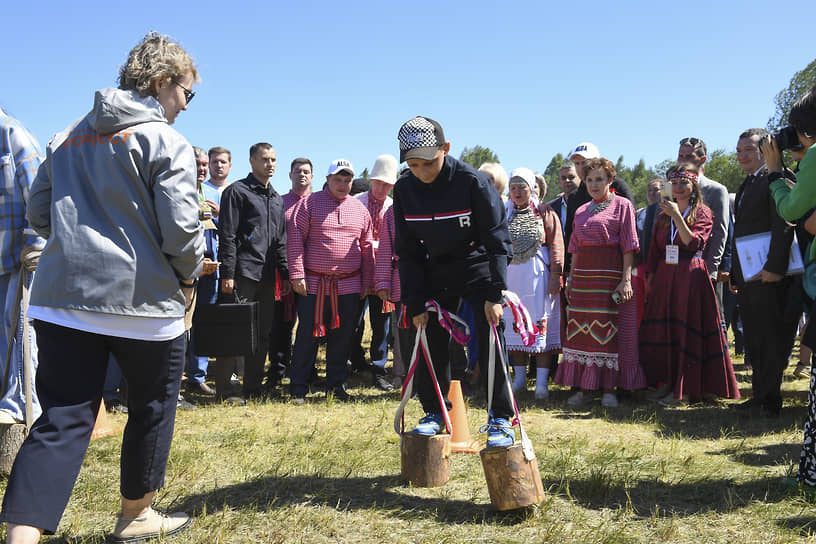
[682, 344]
[600, 343]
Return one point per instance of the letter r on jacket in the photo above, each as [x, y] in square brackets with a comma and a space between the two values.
[464, 221]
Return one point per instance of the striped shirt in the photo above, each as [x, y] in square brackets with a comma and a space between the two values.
[614, 226]
[331, 237]
[20, 158]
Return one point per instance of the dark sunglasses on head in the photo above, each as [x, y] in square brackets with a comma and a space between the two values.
[693, 142]
[188, 94]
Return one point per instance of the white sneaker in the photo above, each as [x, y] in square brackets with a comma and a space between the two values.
[609, 400]
[153, 525]
[542, 394]
[577, 400]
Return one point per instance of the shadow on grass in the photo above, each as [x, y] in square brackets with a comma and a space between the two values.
[713, 420]
[804, 525]
[382, 493]
[649, 498]
[770, 455]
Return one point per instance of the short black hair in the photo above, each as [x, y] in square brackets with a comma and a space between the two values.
[802, 115]
[301, 160]
[259, 146]
[761, 132]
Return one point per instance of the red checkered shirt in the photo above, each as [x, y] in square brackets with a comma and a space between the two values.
[333, 237]
[386, 274]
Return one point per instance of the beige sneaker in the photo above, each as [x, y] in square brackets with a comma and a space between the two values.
[152, 525]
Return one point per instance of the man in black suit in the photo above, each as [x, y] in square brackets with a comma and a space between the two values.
[568, 180]
[768, 302]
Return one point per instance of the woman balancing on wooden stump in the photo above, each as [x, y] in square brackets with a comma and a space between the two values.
[452, 242]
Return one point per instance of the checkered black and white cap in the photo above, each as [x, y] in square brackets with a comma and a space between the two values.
[419, 138]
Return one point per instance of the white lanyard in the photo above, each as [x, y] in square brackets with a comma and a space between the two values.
[674, 229]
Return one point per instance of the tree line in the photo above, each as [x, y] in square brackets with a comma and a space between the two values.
[722, 164]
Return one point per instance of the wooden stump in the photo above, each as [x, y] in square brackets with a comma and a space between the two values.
[11, 438]
[512, 481]
[425, 459]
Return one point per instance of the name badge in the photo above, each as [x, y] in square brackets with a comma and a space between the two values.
[672, 254]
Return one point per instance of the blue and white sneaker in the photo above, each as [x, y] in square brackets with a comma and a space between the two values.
[429, 425]
[500, 433]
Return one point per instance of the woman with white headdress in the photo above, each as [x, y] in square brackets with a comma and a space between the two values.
[534, 275]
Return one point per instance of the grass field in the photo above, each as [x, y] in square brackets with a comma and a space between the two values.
[329, 472]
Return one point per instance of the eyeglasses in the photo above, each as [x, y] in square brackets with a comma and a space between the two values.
[188, 94]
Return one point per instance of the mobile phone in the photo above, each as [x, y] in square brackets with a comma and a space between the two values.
[666, 190]
[616, 297]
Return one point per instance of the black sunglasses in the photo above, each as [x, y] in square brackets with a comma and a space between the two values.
[690, 141]
[188, 94]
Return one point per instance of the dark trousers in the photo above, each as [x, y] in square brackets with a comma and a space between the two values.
[380, 324]
[196, 369]
[70, 379]
[262, 292]
[338, 341]
[770, 314]
[280, 344]
[438, 342]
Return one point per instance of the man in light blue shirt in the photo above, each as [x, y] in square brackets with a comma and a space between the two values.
[20, 157]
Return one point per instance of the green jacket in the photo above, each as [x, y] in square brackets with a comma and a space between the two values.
[792, 202]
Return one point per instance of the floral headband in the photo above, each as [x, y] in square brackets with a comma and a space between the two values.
[683, 174]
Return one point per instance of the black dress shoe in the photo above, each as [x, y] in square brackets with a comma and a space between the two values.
[200, 389]
[340, 394]
[382, 383]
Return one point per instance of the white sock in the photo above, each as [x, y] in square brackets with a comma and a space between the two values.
[542, 374]
[520, 375]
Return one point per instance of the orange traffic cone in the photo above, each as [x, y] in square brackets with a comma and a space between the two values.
[102, 427]
[461, 442]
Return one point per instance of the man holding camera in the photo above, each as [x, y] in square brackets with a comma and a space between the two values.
[769, 302]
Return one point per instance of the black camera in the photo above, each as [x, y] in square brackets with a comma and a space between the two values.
[787, 138]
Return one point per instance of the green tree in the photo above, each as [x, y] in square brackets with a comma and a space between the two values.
[478, 155]
[800, 83]
[551, 175]
[723, 167]
[364, 175]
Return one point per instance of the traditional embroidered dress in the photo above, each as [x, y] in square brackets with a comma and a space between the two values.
[600, 347]
[681, 340]
[538, 248]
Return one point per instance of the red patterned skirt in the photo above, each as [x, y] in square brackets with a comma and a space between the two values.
[682, 342]
[599, 335]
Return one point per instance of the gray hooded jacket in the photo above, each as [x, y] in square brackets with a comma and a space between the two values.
[116, 198]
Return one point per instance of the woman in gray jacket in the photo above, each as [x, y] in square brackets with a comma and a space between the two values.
[116, 199]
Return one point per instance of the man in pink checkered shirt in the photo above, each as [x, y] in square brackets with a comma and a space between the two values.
[330, 247]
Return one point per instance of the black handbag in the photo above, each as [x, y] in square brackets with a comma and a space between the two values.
[226, 329]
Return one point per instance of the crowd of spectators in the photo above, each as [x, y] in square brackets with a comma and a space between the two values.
[628, 300]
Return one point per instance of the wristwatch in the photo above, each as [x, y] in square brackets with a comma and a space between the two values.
[188, 285]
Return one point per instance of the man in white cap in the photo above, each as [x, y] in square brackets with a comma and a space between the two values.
[382, 178]
[331, 260]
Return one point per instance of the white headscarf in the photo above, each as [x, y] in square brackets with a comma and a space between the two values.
[526, 175]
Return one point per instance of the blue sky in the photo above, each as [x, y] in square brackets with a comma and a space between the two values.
[336, 79]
